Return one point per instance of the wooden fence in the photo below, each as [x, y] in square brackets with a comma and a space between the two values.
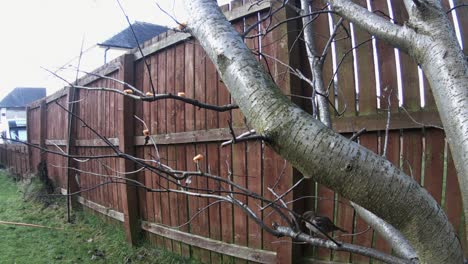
[14, 157]
[367, 84]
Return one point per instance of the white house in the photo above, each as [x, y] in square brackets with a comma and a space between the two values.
[13, 111]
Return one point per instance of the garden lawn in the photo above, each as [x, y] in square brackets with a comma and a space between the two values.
[89, 240]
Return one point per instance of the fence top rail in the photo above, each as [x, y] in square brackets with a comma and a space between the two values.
[163, 43]
[172, 39]
[57, 95]
[105, 69]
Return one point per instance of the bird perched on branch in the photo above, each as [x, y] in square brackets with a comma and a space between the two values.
[323, 223]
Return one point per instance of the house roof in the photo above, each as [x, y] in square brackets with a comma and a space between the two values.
[22, 96]
[125, 39]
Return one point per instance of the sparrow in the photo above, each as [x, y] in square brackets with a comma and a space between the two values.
[323, 223]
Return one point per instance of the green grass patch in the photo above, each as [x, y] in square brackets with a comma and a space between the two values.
[88, 240]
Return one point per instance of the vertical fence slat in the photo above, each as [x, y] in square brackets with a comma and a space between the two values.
[453, 200]
[213, 161]
[412, 153]
[200, 124]
[212, 153]
[180, 127]
[171, 128]
[344, 87]
[226, 208]
[29, 122]
[434, 163]
[254, 181]
[387, 68]
[238, 162]
[71, 183]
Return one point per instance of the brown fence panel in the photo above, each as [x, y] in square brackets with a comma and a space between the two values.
[100, 112]
[33, 127]
[15, 158]
[56, 135]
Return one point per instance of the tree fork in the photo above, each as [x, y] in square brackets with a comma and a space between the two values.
[353, 171]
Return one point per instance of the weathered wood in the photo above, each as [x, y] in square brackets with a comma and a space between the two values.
[96, 142]
[197, 136]
[57, 95]
[180, 158]
[378, 122]
[72, 184]
[254, 183]
[103, 71]
[213, 162]
[344, 87]
[102, 209]
[53, 142]
[412, 153]
[434, 162]
[162, 44]
[181, 37]
[43, 129]
[28, 135]
[453, 203]
[80, 142]
[387, 66]
[365, 69]
[126, 134]
[256, 255]
[246, 9]
[204, 120]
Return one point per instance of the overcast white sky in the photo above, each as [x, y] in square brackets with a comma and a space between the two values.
[49, 33]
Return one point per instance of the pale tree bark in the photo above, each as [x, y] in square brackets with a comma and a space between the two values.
[316, 66]
[346, 167]
[395, 239]
[398, 243]
[430, 40]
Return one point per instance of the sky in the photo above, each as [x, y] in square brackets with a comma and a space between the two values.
[49, 34]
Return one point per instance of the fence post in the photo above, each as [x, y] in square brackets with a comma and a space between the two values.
[126, 135]
[28, 136]
[72, 184]
[43, 129]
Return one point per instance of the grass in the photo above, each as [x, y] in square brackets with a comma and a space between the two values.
[89, 240]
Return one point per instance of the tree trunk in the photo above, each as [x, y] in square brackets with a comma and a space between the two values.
[353, 171]
[430, 39]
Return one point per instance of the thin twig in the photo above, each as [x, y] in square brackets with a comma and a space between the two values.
[455, 7]
[28, 225]
[387, 125]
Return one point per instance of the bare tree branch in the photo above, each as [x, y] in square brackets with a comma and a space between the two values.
[398, 36]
